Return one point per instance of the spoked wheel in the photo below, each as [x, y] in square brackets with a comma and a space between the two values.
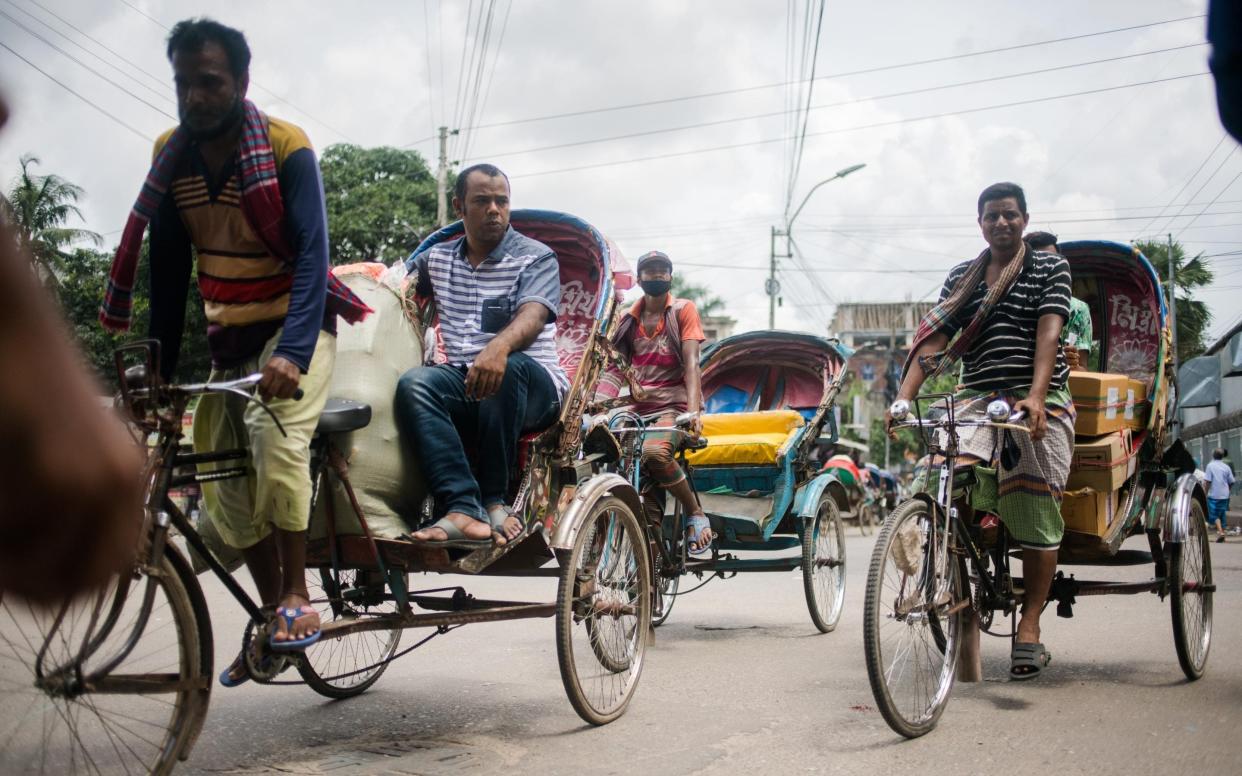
[1190, 570]
[665, 595]
[603, 612]
[912, 621]
[346, 666]
[823, 565]
[143, 714]
[866, 519]
[665, 580]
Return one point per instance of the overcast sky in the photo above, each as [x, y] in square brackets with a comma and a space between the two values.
[1118, 164]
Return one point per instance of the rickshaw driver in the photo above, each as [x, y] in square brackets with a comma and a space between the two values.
[243, 190]
[661, 335]
[1009, 305]
[497, 293]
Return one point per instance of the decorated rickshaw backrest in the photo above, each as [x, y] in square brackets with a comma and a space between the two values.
[1127, 306]
[591, 267]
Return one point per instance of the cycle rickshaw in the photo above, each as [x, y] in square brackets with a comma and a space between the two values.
[935, 572]
[768, 395]
[120, 681]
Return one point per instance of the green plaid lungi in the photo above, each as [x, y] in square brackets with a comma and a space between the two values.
[1028, 494]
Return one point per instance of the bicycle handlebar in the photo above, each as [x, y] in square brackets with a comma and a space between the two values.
[999, 415]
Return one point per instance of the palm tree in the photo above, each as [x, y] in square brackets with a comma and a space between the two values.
[1193, 316]
[704, 300]
[37, 206]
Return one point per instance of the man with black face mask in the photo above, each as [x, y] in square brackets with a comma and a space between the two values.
[661, 335]
[242, 189]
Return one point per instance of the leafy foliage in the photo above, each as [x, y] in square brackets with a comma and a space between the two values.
[38, 206]
[381, 202]
[84, 276]
[1193, 316]
[704, 300]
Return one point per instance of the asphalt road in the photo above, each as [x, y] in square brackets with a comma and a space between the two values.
[739, 681]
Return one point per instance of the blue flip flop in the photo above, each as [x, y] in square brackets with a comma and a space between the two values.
[289, 615]
[228, 681]
[696, 525]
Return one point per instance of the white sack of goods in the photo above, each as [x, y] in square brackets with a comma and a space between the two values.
[371, 356]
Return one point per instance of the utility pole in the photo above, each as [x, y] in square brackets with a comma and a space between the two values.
[773, 286]
[442, 178]
[888, 375]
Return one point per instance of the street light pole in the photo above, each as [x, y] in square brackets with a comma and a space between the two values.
[773, 286]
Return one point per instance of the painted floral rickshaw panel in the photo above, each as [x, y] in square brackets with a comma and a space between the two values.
[1133, 326]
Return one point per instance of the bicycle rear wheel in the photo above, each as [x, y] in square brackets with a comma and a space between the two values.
[348, 666]
[140, 717]
[911, 634]
[1190, 570]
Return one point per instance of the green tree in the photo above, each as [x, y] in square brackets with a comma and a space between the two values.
[85, 275]
[1193, 316]
[704, 300]
[38, 206]
[381, 202]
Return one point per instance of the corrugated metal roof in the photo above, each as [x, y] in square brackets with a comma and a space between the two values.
[1199, 379]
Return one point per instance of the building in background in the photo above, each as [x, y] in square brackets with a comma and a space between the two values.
[880, 333]
[717, 327]
[1211, 402]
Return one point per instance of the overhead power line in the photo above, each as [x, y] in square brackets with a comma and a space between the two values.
[70, 89]
[85, 66]
[840, 130]
[852, 101]
[864, 71]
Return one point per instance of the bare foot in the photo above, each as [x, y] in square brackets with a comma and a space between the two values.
[473, 529]
[510, 525]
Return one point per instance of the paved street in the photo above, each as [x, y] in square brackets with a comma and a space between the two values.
[738, 682]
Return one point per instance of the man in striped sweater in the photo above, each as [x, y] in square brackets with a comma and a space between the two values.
[235, 196]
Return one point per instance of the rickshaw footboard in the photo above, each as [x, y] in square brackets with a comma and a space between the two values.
[480, 611]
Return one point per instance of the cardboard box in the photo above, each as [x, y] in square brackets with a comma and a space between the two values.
[1136, 409]
[1102, 463]
[1099, 399]
[1089, 511]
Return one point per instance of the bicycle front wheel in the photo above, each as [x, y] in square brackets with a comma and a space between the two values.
[139, 717]
[912, 620]
[603, 612]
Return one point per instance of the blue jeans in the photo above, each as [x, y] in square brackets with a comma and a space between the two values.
[1217, 509]
[435, 417]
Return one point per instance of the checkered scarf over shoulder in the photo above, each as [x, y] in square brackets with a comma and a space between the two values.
[261, 204]
[940, 315]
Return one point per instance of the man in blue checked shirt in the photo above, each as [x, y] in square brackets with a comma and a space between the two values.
[496, 293]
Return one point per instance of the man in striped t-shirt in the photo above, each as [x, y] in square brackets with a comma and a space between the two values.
[497, 373]
[1013, 352]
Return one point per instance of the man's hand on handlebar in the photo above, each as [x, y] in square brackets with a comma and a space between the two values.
[1036, 413]
[280, 379]
[898, 411]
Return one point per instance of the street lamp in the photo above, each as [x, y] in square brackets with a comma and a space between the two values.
[773, 286]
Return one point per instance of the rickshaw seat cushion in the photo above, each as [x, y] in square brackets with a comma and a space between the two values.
[343, 415]
[747, 438]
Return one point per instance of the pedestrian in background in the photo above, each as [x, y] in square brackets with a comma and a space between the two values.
[1220, 479]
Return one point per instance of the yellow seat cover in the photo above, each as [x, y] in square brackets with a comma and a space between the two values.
[746, 438]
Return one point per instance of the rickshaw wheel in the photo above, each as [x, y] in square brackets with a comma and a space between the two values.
[1190, 563]
[603, 612]
[348, 666]
[911, 645]
[823, 564]
[865, 518]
